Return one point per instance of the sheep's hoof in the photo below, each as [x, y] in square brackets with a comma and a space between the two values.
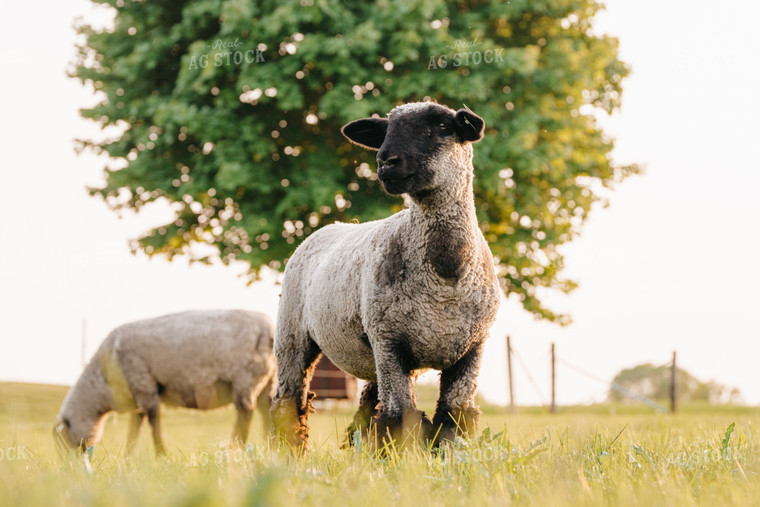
[401, 431]
[290, 425]
[351, 438]
[458, 422]
[363, 420]
[350, 435]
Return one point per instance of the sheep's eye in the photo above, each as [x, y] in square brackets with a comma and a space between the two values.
[443, 129]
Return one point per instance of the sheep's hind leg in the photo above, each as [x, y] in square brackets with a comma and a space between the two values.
[456, 413]
[398, 418]
[367, 410]
[291, 405]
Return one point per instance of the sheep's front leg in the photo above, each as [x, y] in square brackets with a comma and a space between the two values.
[148, 403]
[456, 412]
[291, 404]
[154, 418]
[398, 411]
[135, 420]
[242, 422]
[144, 390]
[264, 403]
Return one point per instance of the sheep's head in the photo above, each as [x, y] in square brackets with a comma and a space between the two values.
[77, 432]
[412, 141]
[63, 435]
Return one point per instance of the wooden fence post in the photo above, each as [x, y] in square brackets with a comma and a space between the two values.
[509, 375]
[553, 406]
[673, 385]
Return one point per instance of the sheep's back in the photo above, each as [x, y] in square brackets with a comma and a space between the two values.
[195, 349]
[333, 261]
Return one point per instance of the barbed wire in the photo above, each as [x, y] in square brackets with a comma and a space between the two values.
[615, 386]
[530, 378]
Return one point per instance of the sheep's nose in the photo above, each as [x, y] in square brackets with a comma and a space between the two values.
[387, 162]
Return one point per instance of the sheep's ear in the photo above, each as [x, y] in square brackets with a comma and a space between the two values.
[368, 133]
[470, 126]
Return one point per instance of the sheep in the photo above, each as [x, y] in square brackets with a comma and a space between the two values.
[193, 359]
[388, 298]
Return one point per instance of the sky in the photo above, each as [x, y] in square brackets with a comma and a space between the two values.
[670, 265]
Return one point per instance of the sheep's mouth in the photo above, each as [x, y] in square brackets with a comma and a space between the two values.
[396, 179]
[398, 185]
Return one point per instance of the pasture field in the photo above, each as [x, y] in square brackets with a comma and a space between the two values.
[580, 456]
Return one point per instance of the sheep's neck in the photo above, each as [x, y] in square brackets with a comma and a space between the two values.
[449, 224]
[90, 395]
[106, 402]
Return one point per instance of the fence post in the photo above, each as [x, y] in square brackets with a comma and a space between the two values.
[509, 375]
[673, 385]
[553, 406]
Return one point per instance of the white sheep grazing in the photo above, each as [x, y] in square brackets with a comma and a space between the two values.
[194, 359]
[388, 298]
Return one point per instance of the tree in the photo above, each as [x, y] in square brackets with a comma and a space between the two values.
[230, 110]
[653, 382]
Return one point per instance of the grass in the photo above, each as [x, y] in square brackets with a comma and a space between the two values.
[581, 456]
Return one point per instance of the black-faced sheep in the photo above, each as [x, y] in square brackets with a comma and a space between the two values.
[194, 359]
[388, 298]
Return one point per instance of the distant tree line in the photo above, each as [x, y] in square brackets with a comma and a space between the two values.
[653, 382]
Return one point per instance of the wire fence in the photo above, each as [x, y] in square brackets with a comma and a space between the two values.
[615, 387]
[612, 385]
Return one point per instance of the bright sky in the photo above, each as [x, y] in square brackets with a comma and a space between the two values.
[670, 265]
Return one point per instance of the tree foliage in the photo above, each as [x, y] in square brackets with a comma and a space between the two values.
[654, 382]
[230, 110]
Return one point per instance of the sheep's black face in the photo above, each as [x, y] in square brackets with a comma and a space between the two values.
[410, 139]
[62, 434]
